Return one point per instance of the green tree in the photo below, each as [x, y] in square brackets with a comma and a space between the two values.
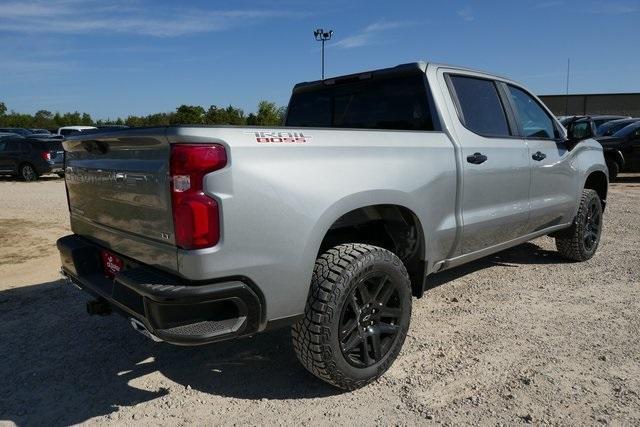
[86, 119]
[43, 119]
[159, 119]
[268, 114]
[225, 116]
[188, 115]
[135, 121]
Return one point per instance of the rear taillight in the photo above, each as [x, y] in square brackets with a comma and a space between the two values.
[196, 218]
[46, 155]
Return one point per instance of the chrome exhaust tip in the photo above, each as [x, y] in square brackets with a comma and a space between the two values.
[64, 276]
[140, 327]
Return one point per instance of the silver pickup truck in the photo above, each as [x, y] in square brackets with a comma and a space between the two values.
[332, 223]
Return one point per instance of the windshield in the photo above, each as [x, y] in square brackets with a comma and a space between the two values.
[610, 128]
[626, 131]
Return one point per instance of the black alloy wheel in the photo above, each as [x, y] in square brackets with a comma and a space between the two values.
[369, 322]
[591, 233]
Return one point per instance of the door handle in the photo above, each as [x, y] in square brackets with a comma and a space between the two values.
[476, 158]
[539, 156]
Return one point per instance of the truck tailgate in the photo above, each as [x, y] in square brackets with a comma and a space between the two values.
[119, 195]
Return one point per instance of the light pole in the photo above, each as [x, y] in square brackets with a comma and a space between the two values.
[322, 36]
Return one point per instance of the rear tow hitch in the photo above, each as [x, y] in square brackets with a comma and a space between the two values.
[99, 306]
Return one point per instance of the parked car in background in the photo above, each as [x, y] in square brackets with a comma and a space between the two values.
[622, 150]
[332, 223]
[609, 128]
[72, 130]
[7, 135]
[40, 131]
[19, 131]
[597, 121]
[28, 158]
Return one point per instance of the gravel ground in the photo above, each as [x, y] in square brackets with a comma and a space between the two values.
[519, 337]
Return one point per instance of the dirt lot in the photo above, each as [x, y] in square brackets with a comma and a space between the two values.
[519, 337]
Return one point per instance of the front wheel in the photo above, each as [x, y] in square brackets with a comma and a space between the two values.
[580, 242]
[357, 315]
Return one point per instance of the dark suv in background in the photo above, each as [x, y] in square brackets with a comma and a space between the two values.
[609, 128]
[597, 120]
[622, 150]
[28, 158]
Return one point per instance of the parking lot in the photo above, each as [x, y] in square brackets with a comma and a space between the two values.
[519, 337]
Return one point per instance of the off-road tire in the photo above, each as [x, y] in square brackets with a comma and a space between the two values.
[572, 243]
[27, 172]
[614, 169]
[338, 274]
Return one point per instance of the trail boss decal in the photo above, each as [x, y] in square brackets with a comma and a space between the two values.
[280, 137]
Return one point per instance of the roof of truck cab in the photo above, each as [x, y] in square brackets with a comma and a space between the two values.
[398, 69]
[467, 69]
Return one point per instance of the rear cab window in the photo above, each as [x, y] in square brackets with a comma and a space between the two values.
[394, 102]
[479, 106]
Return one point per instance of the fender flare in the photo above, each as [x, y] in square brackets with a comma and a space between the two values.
[353, 202]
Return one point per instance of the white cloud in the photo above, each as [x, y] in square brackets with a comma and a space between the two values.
[89, 16]
[466, 14]
[615, 8]
[548, 4]
[369, 34]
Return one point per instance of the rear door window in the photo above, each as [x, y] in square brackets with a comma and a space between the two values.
[12, 146]
[533, 119]
[479, 106]
[384, 102]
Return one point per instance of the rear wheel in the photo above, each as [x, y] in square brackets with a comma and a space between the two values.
[27, 172]
[357, 315]
[580, 242]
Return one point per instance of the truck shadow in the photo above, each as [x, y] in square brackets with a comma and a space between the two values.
[526, 253]
[60, 366]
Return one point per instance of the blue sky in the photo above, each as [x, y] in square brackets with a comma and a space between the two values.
[141, 56]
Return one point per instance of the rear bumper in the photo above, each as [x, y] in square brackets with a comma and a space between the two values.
[171, 308]
[44, 167]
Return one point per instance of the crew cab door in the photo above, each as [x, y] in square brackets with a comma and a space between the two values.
[554, 178]
[633, 160]
[4, 158]
[9, 155]
[495, 163]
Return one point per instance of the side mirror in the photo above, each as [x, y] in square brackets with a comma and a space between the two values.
[578, 131]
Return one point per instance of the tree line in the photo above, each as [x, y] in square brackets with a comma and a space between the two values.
[267, 114]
